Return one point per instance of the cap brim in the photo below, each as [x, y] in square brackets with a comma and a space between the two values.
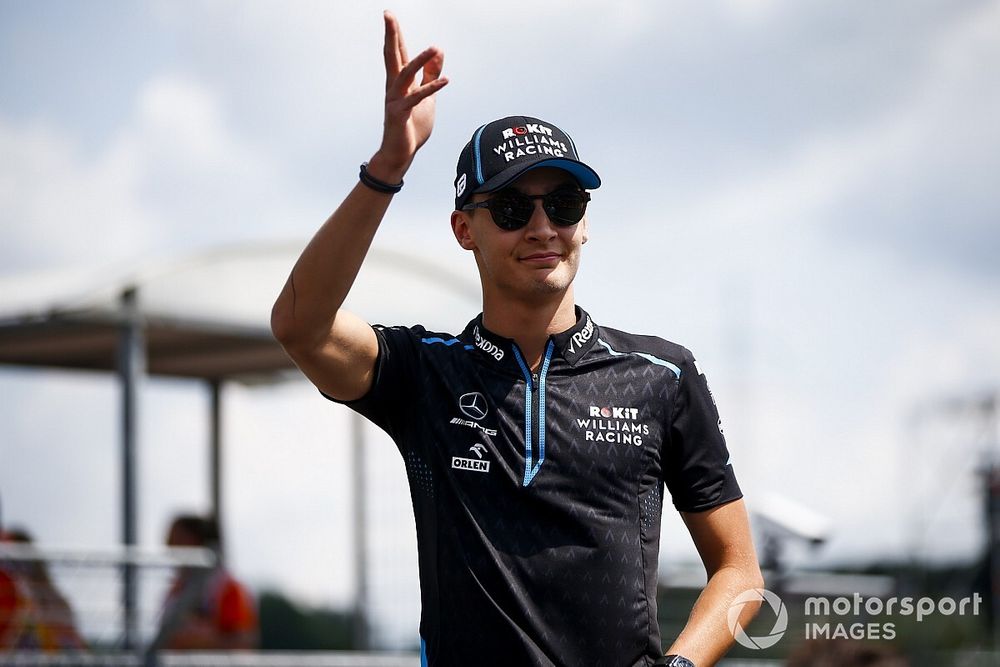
[585, 176]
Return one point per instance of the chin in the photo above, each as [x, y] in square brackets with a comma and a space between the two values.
[556, 281]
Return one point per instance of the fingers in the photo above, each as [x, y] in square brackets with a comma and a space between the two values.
[400, 44]
[414, 98]
[390, 50]
[432, 70]
[400, 72]
[394, 50]
[409, 72]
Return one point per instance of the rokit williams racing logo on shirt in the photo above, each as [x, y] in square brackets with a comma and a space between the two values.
[616, 424]
[479, 464]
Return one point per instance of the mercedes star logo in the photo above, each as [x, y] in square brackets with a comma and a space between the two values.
[473, 405]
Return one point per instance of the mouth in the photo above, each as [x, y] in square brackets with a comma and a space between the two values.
[542, 258]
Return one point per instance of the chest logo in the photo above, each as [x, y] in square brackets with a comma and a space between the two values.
[475, 465]
[616, 424]
[473, 405]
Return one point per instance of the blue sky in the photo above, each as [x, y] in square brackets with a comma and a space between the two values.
[802, 193]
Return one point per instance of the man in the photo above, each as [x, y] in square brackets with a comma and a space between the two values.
[206, 611]
[536, 442]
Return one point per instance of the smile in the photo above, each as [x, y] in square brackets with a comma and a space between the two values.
[542, 258]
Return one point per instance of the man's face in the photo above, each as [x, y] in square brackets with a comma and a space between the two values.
[538, 259]
[180, 537]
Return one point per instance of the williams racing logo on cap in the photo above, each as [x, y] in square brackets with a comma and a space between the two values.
[529, 139]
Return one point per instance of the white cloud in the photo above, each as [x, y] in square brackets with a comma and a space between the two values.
[174, 177]
[56, 202]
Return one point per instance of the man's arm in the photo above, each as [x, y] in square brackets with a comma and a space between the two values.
[722, 536]
[334, 348]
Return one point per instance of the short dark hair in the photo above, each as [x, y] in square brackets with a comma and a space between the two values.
[204, 529]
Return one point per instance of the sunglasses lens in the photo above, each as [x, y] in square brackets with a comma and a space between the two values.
[565, 207]
[510, 209]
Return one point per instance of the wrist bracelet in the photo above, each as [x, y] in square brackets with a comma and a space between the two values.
[377, 185]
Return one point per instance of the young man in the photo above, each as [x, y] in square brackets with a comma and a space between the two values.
[222, 614]
[536, 442]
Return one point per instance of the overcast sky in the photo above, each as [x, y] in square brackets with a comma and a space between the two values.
[804, 194]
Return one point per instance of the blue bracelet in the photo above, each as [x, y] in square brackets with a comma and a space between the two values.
[377, 185]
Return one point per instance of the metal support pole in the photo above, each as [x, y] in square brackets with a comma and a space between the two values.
[361, 638]
[131, 369]
[989, 409]
[215, 463]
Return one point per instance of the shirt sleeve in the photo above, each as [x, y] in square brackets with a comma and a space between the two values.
[697, 469]
[390, 400]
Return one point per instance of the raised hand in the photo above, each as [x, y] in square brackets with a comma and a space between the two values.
[409, 107]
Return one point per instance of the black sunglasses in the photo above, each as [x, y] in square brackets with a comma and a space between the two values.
[511, 209]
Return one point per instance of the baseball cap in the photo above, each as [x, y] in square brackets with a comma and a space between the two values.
[504, 149]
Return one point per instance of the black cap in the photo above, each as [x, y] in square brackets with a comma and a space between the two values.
[502, 150]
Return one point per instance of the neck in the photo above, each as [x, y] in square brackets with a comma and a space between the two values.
[530, 323]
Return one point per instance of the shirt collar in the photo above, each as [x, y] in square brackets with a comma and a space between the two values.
[570, 344]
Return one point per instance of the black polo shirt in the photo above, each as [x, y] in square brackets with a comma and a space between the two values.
[537, 495]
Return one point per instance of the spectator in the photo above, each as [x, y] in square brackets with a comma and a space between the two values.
[34, 615]
[222, 614]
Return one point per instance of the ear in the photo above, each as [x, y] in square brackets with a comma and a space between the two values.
[461, 227]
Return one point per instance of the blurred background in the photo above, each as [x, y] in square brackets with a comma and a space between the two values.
[804, 194]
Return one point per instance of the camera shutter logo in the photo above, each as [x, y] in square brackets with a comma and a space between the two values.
[780, 621]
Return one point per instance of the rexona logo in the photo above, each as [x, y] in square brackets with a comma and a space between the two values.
[487, 346]
[475, 465]
[581, 336]
[780, 618]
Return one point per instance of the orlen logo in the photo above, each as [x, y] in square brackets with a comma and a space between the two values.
[612, 412]
[581, 336]
[521, 130]
[487, 346]
[475, 465]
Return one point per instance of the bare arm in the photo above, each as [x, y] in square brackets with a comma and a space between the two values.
[334, 348]
[722, 536]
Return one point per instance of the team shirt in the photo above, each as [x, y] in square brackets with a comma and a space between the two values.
[538, 495]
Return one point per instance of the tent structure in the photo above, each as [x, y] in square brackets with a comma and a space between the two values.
[205, 318]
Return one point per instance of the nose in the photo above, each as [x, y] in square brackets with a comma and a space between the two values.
[539, 226]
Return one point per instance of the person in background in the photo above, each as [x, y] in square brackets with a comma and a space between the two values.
[34, 615]
[222, 613]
